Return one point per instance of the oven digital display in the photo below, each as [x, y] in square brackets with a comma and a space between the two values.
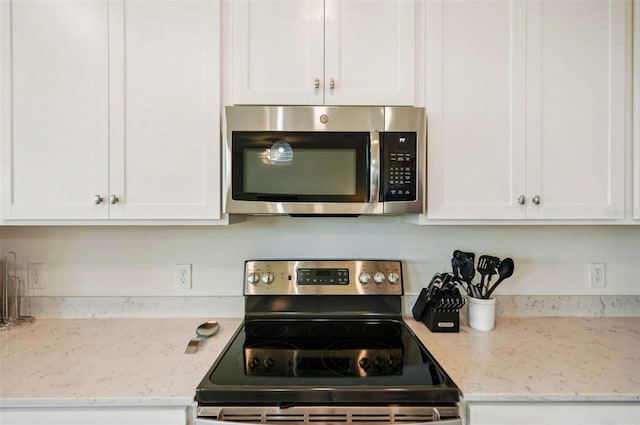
[323, 277]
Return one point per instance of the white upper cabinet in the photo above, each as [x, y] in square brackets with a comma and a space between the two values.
[576, 89]
[110, 109]
[165, 121]
[323, 52]
[55, 108]
[526, 106]
[476, 100]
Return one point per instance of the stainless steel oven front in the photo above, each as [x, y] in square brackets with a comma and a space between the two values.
[324, 342]
[309, 160]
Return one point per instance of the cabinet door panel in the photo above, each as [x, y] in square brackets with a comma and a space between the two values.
[55, 114]
[277, 51]
[165, 148]
[476, 109]
[576, 108]
[369, 52]
[636, 110]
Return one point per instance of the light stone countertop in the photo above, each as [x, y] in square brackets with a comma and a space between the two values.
[105, 362]
[141, 362]
[542, 358]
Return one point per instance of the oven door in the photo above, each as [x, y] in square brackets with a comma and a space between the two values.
[317, 167]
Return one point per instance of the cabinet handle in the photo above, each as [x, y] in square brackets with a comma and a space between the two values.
[98, 199]
[316, 83]
[536, 199]
[332, 84]
[522, 199]
[113, 199]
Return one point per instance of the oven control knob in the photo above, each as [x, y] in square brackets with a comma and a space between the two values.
[268, 363]
[253, 278]
[379, 363]
[254, 362]
[378, 277]
[267, 277]
[364, 363]
[393, 277]
[364, 278]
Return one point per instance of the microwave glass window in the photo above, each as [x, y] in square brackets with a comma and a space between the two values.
[310, 172]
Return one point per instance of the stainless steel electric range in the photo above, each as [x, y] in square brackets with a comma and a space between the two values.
[324, 342]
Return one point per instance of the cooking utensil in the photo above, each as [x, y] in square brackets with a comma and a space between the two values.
[505, 270]
[463, 262]
[204, 331]
[487, 265]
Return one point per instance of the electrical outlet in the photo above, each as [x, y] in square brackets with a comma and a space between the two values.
[37, 276]
[597, 275]
[182, 277]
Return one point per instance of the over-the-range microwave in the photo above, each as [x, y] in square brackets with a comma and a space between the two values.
[331, 161]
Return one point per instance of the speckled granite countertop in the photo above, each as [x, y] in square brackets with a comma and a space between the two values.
[542, 359]
[105, 362]
[141, 362]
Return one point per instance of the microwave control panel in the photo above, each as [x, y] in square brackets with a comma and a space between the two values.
[399, 166]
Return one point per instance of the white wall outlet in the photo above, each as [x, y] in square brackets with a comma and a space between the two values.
[182, 276]
[37, 276]
[597, 278]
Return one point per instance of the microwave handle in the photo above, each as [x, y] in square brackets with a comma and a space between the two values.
[374, 178]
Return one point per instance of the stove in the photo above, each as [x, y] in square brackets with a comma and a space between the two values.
[325, 342]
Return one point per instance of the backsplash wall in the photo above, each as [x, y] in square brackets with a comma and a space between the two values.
[139, 261]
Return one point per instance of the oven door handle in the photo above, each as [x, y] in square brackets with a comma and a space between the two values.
[375, 168]
[206, 421]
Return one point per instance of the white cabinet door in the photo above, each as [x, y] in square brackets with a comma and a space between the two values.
[277, 52]
[369, 52]
[165, 151]
[636, 110]
[526, 109]
[55, 88]
[121, 415]
[576, 79]
[115, 99]
[314, 52]
[553, 413]
[475, 105]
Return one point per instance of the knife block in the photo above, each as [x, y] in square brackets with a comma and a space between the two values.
[436, 319]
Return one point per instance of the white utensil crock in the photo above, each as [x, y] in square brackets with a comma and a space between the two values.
[481, 313]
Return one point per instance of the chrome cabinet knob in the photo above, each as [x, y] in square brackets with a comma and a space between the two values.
[316, 83]
[97, 199]
[536, 200]
[113, 199]
[332, 84]
[522, 199]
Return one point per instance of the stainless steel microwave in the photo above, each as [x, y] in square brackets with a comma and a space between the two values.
[332, 161]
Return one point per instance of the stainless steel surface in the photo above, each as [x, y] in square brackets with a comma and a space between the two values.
[326, 118]
[204, 331]
[113, 199]
[536, 200]
[282, 278]
[522, 199]
[374, 177]
[97, 199]
[330, 415]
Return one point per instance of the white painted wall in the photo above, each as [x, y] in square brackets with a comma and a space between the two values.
[138, 261]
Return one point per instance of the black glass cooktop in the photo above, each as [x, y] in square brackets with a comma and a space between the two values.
[318, 361]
